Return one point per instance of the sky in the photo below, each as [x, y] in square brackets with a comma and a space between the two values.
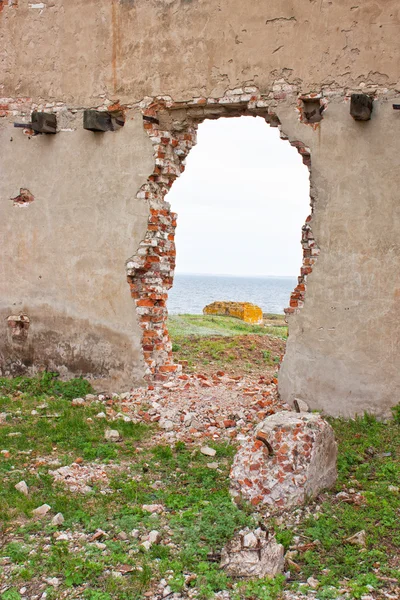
[241, 201]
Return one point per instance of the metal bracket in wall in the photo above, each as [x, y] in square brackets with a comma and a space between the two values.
[361, 107]
[103, 120]
[41, 122]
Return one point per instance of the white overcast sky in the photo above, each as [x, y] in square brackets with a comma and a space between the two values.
[241, 201]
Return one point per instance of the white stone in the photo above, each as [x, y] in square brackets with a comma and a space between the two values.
[208, 451]
[22, 487]
[41, 511]
[154, 537]
[358, 539]
[313, 583]
[58, 519]
[101, 415]
[53, 581]
[303, 406]
[135, 533]
[112, 435]
[146, 545]
[153, 508]
[250, 540]
[78, 402]
[61, 537]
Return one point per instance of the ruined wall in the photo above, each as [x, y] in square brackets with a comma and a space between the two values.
[64, 254]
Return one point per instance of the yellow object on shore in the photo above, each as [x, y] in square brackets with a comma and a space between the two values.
[247, 312]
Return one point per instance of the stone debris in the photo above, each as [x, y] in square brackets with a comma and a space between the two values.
[289, 458]
[112, 435]
[252, 554]
[41, 511]
[358, 539]
[58, 519]
[79, 477]
[78, 402]
[154, 537]
[22, 487]
[208, 451]
[153, 508]
[196, 407]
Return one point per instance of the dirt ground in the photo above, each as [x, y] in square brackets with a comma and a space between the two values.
[239, 355]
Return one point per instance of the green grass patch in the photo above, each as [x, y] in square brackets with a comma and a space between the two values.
[182, 326]
[199, 516]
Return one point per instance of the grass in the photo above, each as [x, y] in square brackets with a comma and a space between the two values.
[180, 326]
[223, 342]
[198, 518]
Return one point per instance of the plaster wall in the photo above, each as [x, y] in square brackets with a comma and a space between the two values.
[64, 255]
[64, 266]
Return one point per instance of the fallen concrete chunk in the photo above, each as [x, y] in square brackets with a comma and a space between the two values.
[252, 554]
[289, 458]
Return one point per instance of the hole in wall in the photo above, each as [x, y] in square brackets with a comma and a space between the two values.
[172, 128]
[18, 326]
[311, 110]
[241, 205]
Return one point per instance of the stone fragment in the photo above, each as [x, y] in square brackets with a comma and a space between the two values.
[135, 533]
[260, 557]
[112, 435]
[101, 415]
[358, 539]
[212, 465]
[313, 583]
[153, 508]
[78, 402]
[22, 487]
[53, 581]
[250, 540]
[166, 424]
[154, 537]
[41, 511]
[122, 536]
[207, 451]
[288, 459]
[146, 545]
[58, 519]
[61, 537]
[300, 405]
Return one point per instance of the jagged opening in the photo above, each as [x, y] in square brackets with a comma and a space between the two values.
[241, 204]
[172, 128]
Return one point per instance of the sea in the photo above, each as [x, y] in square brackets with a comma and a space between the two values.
[191, 293]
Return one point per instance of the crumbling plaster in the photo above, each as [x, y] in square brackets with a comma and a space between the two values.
[86, 220]
[76, 51]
